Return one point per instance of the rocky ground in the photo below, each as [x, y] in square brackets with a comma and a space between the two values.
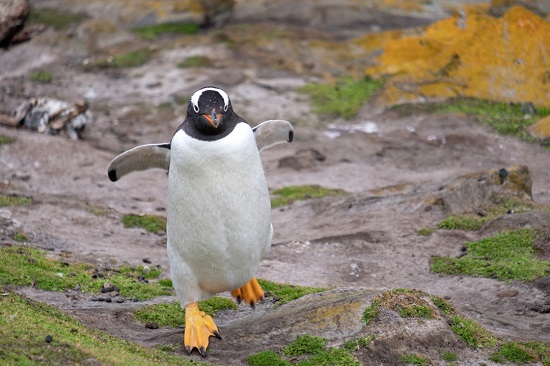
[397, 170]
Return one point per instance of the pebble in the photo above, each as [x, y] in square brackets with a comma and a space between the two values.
[151, 325]
[147, 260]
[49, 338]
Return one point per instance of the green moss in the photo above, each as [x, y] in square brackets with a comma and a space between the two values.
[443, 305]
[42, 76]
[195, 61]
[8, 201]
[24, 266]
[155, 31]
[305, 345]
[171, 314]
[20, 237]
[25, 325]
[463, 222]
[449, 356]
[330, 357]
[472, 333]
[285, 293]
[123, 60]
[153, 224]
[505, 118]
[4, 140]
[286, 195]
[344, 98]
[266, 358]
[407, 303]
[522, 353]
[370, 313]
[54, 17]
[509, 255]
[426, 231]
[415, 359]
[360, 343]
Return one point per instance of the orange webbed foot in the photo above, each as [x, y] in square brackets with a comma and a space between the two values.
[251, 293]
[199, 327]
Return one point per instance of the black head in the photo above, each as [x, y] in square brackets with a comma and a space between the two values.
[209, 114]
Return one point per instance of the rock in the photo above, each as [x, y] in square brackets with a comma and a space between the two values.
[107, 287]
[151, 325]
[500, 7]
[52, 116]
[49, 338]
[13, 14]
[147, 260]
[439, 63]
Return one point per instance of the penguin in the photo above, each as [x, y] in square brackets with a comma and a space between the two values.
[218, 206]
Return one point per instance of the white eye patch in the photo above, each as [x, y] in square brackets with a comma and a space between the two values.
[196, 96]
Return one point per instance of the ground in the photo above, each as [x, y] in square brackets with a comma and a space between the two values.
[366, 239]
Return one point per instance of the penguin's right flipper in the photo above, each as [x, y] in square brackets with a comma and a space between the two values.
[272, 132]
[140, 158]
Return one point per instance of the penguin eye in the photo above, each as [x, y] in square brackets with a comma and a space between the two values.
[225, 108]
[196, 108]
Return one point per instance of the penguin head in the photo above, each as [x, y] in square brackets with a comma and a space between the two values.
[210, 110]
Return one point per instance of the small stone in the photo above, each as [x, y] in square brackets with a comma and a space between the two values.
[147, 260]
[114, 294]
[119, 300]
[108, 299]
[151, 325]
[93, 298]
[49, 338]
[107, 287]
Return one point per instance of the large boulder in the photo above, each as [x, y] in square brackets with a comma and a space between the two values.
[13, 14]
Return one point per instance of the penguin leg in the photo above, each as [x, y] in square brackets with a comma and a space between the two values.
[251, 293]
[198, 329]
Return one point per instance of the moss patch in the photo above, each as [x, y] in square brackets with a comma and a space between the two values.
[25, 325]
[24, 266]
[306, 350]
[471, 332]
[522, 353]
[343, 98]
[54, 17]
[415, 359]
[128, 59]
[284, 293]
[195, 61]
[286, 195]
[4, 140]
[407, 303]
[359, 343]
[171, 314]
[7, 201]
[42, 76]
[153, 224]
[151, 32]
[509, 255]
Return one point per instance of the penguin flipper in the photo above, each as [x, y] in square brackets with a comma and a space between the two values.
[140, 158]
[272, 132]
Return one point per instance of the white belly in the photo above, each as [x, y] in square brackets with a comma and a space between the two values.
[219, 214]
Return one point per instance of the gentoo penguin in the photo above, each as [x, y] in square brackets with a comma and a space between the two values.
[218, 207]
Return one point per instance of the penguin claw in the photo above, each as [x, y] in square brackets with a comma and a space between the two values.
[199, 327]
[251, 293]
[217, 335]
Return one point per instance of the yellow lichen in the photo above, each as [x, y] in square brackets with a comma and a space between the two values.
[470, 54]
[540, 129]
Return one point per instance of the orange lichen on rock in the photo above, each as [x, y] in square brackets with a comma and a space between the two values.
[471, 54]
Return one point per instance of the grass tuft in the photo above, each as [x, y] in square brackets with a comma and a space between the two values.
[151, 223]
[344, 98]
[195, 61]
[55, 18]
[286, 195]
[9, 201]
[171, 314]
[285, 293]
[360, 343]
[415, 359]
[4, 140]
[42, 76]
[24, 266]
[26, 323]
[154, 31]
[509, 255]
[305, 345]
[472, 333]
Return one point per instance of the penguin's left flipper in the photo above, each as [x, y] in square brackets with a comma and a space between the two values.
[250, 293]
[272, 132]
[140, 158]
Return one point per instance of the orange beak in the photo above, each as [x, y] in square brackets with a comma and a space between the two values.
[214, 119]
